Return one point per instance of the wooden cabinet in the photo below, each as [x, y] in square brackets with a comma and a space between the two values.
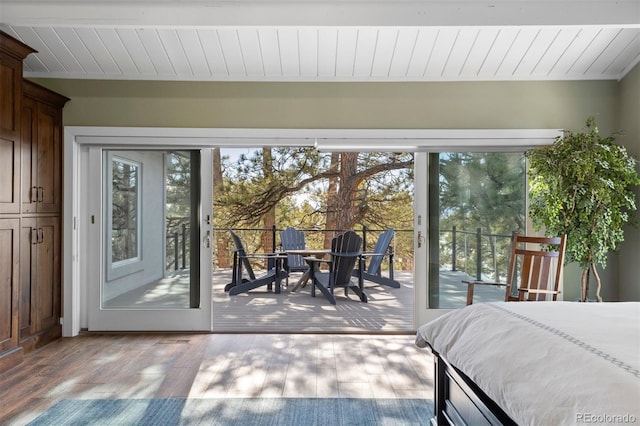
[12, 52]
[9, 168]
[10, 353]
[40, 283]
[41, 183]
[41, 150]
[30, 208]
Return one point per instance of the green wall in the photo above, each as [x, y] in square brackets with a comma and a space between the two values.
[336, 105]
[629, 122]
[454, 105]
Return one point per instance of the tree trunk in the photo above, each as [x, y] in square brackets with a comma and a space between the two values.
[598, 282]
[222, 239]
[584, 284]
[343, 209]
[331, 222]
[269, 217]
[348, 191]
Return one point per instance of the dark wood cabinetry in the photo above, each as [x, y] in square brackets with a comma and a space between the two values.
[40, 284]
[30, 208]
[9, 274]
[9, 166]
[41, 149]
[40, 247]
[12, 53]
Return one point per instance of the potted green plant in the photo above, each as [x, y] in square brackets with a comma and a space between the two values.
[581, 185]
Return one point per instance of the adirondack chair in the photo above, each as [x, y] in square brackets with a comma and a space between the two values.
[373, 272]
[241, 260]
[345, 253]
[293, 239]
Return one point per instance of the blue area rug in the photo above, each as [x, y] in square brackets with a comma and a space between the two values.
[238, 411]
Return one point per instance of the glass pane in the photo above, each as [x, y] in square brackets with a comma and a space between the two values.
[478, 203]
[124, 218]
[178, 211]
[152, 212]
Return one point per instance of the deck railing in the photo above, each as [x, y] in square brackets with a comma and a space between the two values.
[476, 253]
[315, 239]
[177, 247]
[482, 254]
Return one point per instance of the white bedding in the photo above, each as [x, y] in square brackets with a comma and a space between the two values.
[547, 363]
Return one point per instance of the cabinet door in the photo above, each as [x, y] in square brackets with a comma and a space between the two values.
[40, 280]
[11, 99]
[9, 176]
[41, 157]
[9, 275]
[47, 267]
[10, 111]
[28, 271]
[49, 158]
[28, 156]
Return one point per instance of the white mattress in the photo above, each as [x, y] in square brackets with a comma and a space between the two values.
[547, 363]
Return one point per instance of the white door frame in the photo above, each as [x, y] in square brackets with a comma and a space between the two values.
[418, 140]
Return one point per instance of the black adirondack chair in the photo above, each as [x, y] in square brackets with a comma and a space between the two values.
[345, 253]
[373, 272]
[241, 261]
[293, 239]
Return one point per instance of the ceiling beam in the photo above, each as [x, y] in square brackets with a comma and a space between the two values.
[320, 13]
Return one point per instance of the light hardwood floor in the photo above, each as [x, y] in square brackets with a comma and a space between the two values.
[215, 366]
[266, 346]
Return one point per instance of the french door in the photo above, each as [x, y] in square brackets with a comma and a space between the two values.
[149, 247]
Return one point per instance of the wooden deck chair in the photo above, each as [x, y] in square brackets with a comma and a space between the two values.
[345, 253]
[382, 249]
[293, 239]
[533, 274]
[241, 261]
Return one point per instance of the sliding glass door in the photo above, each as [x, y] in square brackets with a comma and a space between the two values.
[476, 201]
[151, 240]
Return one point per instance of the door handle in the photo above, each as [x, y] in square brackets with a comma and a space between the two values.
[420, 239]
[34, 236]
[40, 194]
[207, 239]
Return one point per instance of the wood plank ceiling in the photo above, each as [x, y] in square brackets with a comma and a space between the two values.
[106, 49]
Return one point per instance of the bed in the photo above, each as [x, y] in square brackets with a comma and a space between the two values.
[536, 363]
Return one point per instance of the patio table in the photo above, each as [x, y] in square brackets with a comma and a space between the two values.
[317, 253]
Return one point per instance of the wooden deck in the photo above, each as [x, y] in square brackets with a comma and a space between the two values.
[389, 310]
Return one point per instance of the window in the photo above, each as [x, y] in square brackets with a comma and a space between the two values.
[125, 193]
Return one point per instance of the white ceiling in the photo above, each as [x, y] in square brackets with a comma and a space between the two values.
[332, 40]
